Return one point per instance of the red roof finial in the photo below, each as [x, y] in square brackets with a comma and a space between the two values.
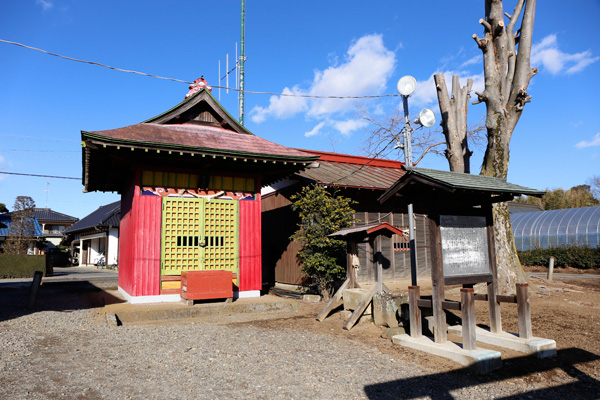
[197, 85]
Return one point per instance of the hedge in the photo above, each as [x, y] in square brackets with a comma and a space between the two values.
[576, 257]
[21, 266]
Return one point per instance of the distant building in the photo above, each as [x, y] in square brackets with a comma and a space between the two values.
[514, 207]
[96, 236]
[53, 225]
[34, 245]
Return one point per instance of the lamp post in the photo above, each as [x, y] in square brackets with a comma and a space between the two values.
[406, 86]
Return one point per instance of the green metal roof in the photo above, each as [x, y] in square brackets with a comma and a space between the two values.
[453, 181]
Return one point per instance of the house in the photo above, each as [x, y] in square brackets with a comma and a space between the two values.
[95, 238]
[53, 225]
[34, 245]
[362, 179]
[190, 182]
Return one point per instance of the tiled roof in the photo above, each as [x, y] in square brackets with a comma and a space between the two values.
[108, 215]
[198, 138]
[353, 171]
[46, 214]
[6, 220]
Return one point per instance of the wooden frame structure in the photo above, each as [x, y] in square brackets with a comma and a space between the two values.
[461, 228]
[353, 236]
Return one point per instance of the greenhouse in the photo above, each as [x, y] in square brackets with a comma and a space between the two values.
[555, 228]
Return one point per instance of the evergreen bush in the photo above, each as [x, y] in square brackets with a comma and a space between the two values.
[582, 257]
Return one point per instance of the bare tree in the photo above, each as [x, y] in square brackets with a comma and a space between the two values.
[22, 226]
[454, 121]
[594, 183]
[385, 134]
[507, 72]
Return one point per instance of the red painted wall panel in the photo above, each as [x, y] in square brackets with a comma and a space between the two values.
[139, 248]
[126, 267]
[147, 245]
[250, 276]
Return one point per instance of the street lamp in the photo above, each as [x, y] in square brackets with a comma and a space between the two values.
[406, 86]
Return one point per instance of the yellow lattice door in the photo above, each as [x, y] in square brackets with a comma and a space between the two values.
[222, 235]
[198, 235]
[182, 226]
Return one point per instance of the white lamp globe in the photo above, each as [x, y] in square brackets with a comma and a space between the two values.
[406, 85]
[426, 118]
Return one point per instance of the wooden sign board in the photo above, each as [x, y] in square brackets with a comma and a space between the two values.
[465, 250]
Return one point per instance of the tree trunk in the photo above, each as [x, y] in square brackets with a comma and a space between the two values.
[507, 73]
[454, 121]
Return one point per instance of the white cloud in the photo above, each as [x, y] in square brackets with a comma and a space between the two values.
[365, 70]
[475, 60]
[46, 4]
[554, 60]
[349, 126]
[280, 106]
[315, 130]
[592, 143]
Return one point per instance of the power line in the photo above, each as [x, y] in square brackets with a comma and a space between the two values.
[21, 137]
[182, 81]
[39, 176]
[40, 151]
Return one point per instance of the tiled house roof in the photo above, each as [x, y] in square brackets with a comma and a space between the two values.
[195, 134]
[46, 214]
[104, 216]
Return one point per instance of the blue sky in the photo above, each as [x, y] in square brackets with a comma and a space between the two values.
[303, 47]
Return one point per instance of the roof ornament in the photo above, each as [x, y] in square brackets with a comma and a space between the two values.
[197, 85]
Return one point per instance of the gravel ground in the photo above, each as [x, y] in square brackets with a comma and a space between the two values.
[69, 351]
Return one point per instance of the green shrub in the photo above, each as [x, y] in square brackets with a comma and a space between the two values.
[21, 266]
[322, 213]
[576, 257]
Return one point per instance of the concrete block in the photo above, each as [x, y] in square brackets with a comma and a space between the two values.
[387, 308]
[541, 347]
[480, 360]
[353, 297]
[391, 332]
[311, 298]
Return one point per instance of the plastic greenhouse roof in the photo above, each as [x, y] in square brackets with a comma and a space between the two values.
[553, 228]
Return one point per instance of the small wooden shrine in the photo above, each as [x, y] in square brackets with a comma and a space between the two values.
[461, 230]
[190, 182]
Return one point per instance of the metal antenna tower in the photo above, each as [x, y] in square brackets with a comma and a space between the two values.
[241, 64]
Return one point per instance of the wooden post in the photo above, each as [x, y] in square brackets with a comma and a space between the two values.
[414, 294]
[360, 309]
[333, 301]
[35, 287]
[378, 257]
[524, 311]
[467, 298]
[440, 334]
[492, 287]
[550, 268]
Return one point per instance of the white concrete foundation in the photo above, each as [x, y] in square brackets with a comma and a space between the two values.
[481, 360]
[246, 294]
[541, 347]
[163, 298]
[175, 298]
